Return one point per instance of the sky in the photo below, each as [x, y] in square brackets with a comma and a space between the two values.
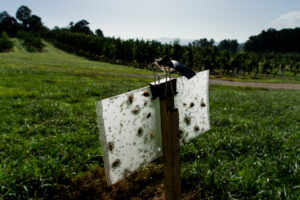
[181, 19]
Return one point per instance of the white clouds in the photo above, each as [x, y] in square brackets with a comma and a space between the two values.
[287, 20]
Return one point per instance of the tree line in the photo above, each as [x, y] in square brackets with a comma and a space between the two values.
[200, 54]
[25, 26]
[283, 41]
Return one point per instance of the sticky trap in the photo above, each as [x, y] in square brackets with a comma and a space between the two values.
[130, 130]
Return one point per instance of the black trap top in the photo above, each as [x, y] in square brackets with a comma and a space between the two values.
[164, 90]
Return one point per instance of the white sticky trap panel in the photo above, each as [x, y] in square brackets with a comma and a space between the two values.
[129, 124]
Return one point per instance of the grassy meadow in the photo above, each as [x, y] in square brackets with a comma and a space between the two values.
[49, 136]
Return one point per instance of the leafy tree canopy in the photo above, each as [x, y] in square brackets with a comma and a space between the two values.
[81, 27]
[204, 42]
[35, 23]
[285, 40]
[8, 24]
[99, 33]
[230, 45]
[23, 14]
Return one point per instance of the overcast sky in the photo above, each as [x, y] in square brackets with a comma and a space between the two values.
[183, 19]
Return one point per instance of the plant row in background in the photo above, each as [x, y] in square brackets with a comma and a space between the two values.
[266, 53]
[200, 56]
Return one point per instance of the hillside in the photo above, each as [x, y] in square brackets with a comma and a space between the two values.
[53, 58]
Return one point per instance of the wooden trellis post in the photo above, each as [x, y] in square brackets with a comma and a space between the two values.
[170, 137]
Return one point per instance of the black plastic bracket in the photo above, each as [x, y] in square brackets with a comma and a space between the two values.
[164, 90]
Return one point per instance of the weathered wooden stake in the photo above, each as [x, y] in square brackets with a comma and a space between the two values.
[171, 148]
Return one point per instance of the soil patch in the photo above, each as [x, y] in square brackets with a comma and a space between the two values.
[142, 185]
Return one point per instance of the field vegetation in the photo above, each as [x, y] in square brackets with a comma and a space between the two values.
[49, 141]
[5, 43]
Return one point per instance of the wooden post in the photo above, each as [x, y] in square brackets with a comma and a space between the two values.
[170, 137]
[171, 148]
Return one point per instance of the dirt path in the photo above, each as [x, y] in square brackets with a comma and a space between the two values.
[273, 86]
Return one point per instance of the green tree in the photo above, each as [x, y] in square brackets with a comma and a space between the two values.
[5, 43]
[203, 43]
[178, 50]
[24, 14]
[295, 68]
[285, 40]
[81, 27]
[230, 45]
[35, 23]
[8, 24]
[225, 61]
[188, 57]
[31, 41]
[99, 33]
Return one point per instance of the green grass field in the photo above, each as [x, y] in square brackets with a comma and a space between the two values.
[49, 135]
